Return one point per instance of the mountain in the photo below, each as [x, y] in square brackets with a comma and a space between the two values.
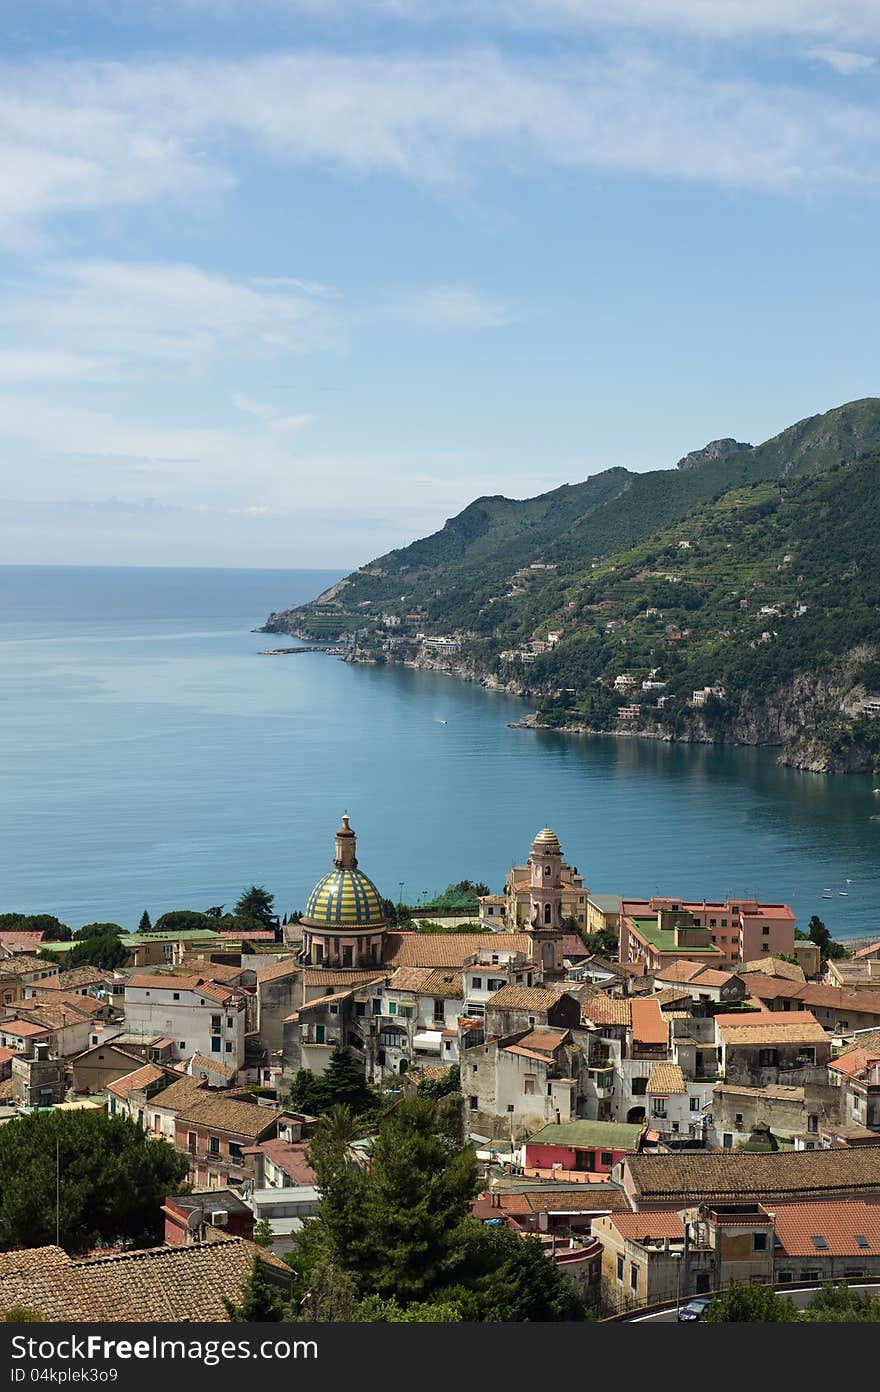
[750, 573]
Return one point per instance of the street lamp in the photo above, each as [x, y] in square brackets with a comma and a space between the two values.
[676, 1257]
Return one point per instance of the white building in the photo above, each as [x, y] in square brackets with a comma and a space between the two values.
[198, 1016]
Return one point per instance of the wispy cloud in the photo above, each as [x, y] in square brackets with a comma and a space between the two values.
[135, 132]
[451, 307]
[843, 60]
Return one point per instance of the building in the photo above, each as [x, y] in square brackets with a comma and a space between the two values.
[344, 923]
[189, 1217]
[659, 930]
[196, 1014]
[675, 1105]
[214, 1131]
[690, 1177]
[759, 1047]
[838, 1009]
[581, 1147]
[545, 892]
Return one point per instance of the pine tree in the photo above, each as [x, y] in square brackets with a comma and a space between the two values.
[145, 926]
[257, 903]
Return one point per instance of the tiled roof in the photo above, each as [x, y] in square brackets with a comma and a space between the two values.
[32, 1259]
[529, 1054]
[51, 1015]
[672, 994]
[772, 966]
[222, 972]
[855, 1061]
[209, 1065]
[607, 1010]
[20, 965]
[225, 1114]
[837, 1222]
[83, 976]
[679, 971]
[85, 1006]
[447, 949]
[325, 1000]
[872, 950]
[19, 941]
[338, 976]
[410, 978]
[799, 1028]
[572, 946]
[163, 981]
[274, 971]
[711, 976]
[444, 982]
[23, 1029]
[524, 998]
[544, 1040]
[774, 1091]
[133, 1082]
[178, 1095]
[580, 1198]
[692, 1176]
[666, 1077]
[648, 1024]
[647, 1226]
[290, 1157]
[169, 1284]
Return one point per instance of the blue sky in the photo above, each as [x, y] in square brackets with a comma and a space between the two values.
[289, 282]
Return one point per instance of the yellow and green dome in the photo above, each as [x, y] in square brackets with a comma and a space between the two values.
[345, 898]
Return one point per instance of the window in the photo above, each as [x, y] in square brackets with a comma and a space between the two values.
[738, 1120]
[634, 1276]
[727, 1140]
[765, 947]
[812, 1123]
[607, 1157]
[477, 983]
[853, 1271]
[234, 1150]
[819, 1242]
[811, 1275]
[694, 1104]
[620, 1268]
[759, 1242]
[658, 1106]
[765, 931]
[175, 995]
[862, 1242]
[392, 1007]
[547, 913]
[360, 1008]
[510, 1106]
[530, 1085]
[472, 1102]
[215, 1145]
[228, 1046]
[406, 1011]
[783, 1277]
[216, 1021]
[182, 1043]
[377, 1006]
[639, 1086]
[215, 1045]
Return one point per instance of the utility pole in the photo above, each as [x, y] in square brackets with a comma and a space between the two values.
[57, 1192]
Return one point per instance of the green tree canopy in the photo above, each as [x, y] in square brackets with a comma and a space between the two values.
[758, 1304]
[258, 904]
[183, 920]
[52, 928]
[113, 1180]
[144, 924]
[99, 930]
[261, 1301]
[342, 1083]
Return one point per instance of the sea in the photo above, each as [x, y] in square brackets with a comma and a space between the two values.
[152, 758]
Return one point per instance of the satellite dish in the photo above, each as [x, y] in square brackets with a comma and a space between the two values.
[195, 1220]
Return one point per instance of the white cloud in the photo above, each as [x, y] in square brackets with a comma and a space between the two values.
[843, 60]
[451, 307]
[138, 131]
[20, 366]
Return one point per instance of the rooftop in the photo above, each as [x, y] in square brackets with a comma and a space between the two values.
[666, 1077]
[535, 998]
[591, 1135]
[663, 939]
[448, 949]
[688, 1177]
[219, 1113]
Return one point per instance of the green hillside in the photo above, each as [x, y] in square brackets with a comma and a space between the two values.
[658, 577]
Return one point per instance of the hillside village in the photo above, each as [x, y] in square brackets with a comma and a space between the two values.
[695, 1107]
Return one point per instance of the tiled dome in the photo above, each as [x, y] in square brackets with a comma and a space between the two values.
[345, 899]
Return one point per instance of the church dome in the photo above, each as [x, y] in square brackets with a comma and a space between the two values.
[546, 840]
[345, 897]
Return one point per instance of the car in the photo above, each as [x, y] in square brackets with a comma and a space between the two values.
[695, 1309]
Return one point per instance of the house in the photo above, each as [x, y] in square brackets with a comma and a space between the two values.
[856, 1075]
[27, 970]
[213, 1131]
[660, 930]
[702, 986]
[675, 1105]
[515, 1083]
[489, 970]
[737, 1110]
[188, 1217]
[839, 1010]
[690, 1177]
[758, 1047]
[196, 1014]
[129, 1095]
[38, 1078]
[279, 994]
[521, 1008]
[173, 1284]
[580, 1147]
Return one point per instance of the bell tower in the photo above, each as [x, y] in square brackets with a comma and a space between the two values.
[545, 902]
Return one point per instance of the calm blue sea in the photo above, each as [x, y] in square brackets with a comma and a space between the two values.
[150, 758]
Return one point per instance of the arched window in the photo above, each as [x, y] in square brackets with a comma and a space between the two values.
[546, 869]
[547, 913]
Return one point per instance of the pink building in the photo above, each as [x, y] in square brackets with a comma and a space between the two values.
[736, 930]
[593, 1147]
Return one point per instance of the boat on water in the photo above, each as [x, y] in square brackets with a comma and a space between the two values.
[827, 893]
[844, 893]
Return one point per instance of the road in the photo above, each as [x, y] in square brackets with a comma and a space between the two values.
[801, 1297]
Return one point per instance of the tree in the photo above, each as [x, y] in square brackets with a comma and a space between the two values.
[98, 930]
[819, 934]
[258, 904]
[103, 950]
[758, 1304]
[517, 1281]
[343, 1083]
[440, 1087]
[471, 889]
[261, 1301]
[113, 1180]
[216, 911]
[263, 1233]
[52, 928]
[144, 924]
[182, 921]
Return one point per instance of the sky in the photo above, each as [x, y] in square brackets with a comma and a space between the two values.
[290, 282]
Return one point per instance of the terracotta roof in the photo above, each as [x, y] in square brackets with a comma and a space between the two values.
[529, 1054]
[7, 1054]
[410, 978]
[837, 1222]
[447, 949]
[23, 1029]
[85, 1006]
[872, 949]
[799, 1028]
[774, 1091]
[442, 981]
[224, 972]
[772, 966]
[693, 1176]
[544, 1040]
[164, 981]
[178, 1094]
[711, 976]
[524, 998]
[854, 1061]
[866, 1002]
[646, 1226]
[581, 1197]
[648, 1024]
[672, 994]
[20, 941]
[290, 1157]
[51, 1015]
[20, 965]
[83, 976]
[607, 1010]
[572, 946]
[273, 971]
[133, 1082]
[211, 1065]
[679, 971]
[324, 1000]
[168, 1284]
[339, 976]
[666, 1077]
[32, 1259]
[226, 1114]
